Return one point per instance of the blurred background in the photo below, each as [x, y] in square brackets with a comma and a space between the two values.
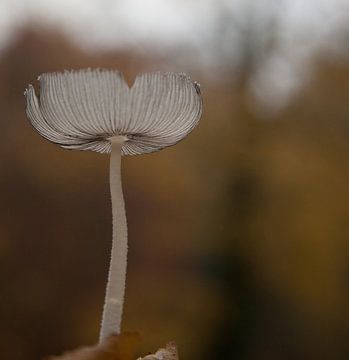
[239, 235]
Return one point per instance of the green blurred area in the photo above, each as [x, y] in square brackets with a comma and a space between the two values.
[238, 235]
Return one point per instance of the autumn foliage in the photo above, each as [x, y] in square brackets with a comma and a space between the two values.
[238, 237]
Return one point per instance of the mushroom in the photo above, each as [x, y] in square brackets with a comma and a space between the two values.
[96, 110]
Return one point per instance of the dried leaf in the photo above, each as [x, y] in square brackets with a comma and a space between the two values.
[116, 347]
[168, 353]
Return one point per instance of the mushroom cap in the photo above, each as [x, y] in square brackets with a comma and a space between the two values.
[83, 109]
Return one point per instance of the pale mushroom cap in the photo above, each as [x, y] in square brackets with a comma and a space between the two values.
[82, 109]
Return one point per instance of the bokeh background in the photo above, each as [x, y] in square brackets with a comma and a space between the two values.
[239, 235]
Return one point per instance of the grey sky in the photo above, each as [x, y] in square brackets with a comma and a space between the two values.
[211, 30]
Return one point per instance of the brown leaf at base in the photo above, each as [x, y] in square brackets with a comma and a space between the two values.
[115, 347]
[168, 353]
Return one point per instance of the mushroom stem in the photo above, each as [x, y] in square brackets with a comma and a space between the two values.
[114, 298]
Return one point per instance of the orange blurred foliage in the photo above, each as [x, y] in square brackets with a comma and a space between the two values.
[238, 236]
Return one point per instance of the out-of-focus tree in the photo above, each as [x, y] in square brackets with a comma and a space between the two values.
[237, 237]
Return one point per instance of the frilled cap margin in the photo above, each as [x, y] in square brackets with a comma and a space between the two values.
[82, 109]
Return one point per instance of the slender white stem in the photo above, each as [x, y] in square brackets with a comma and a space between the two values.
[114, 298]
